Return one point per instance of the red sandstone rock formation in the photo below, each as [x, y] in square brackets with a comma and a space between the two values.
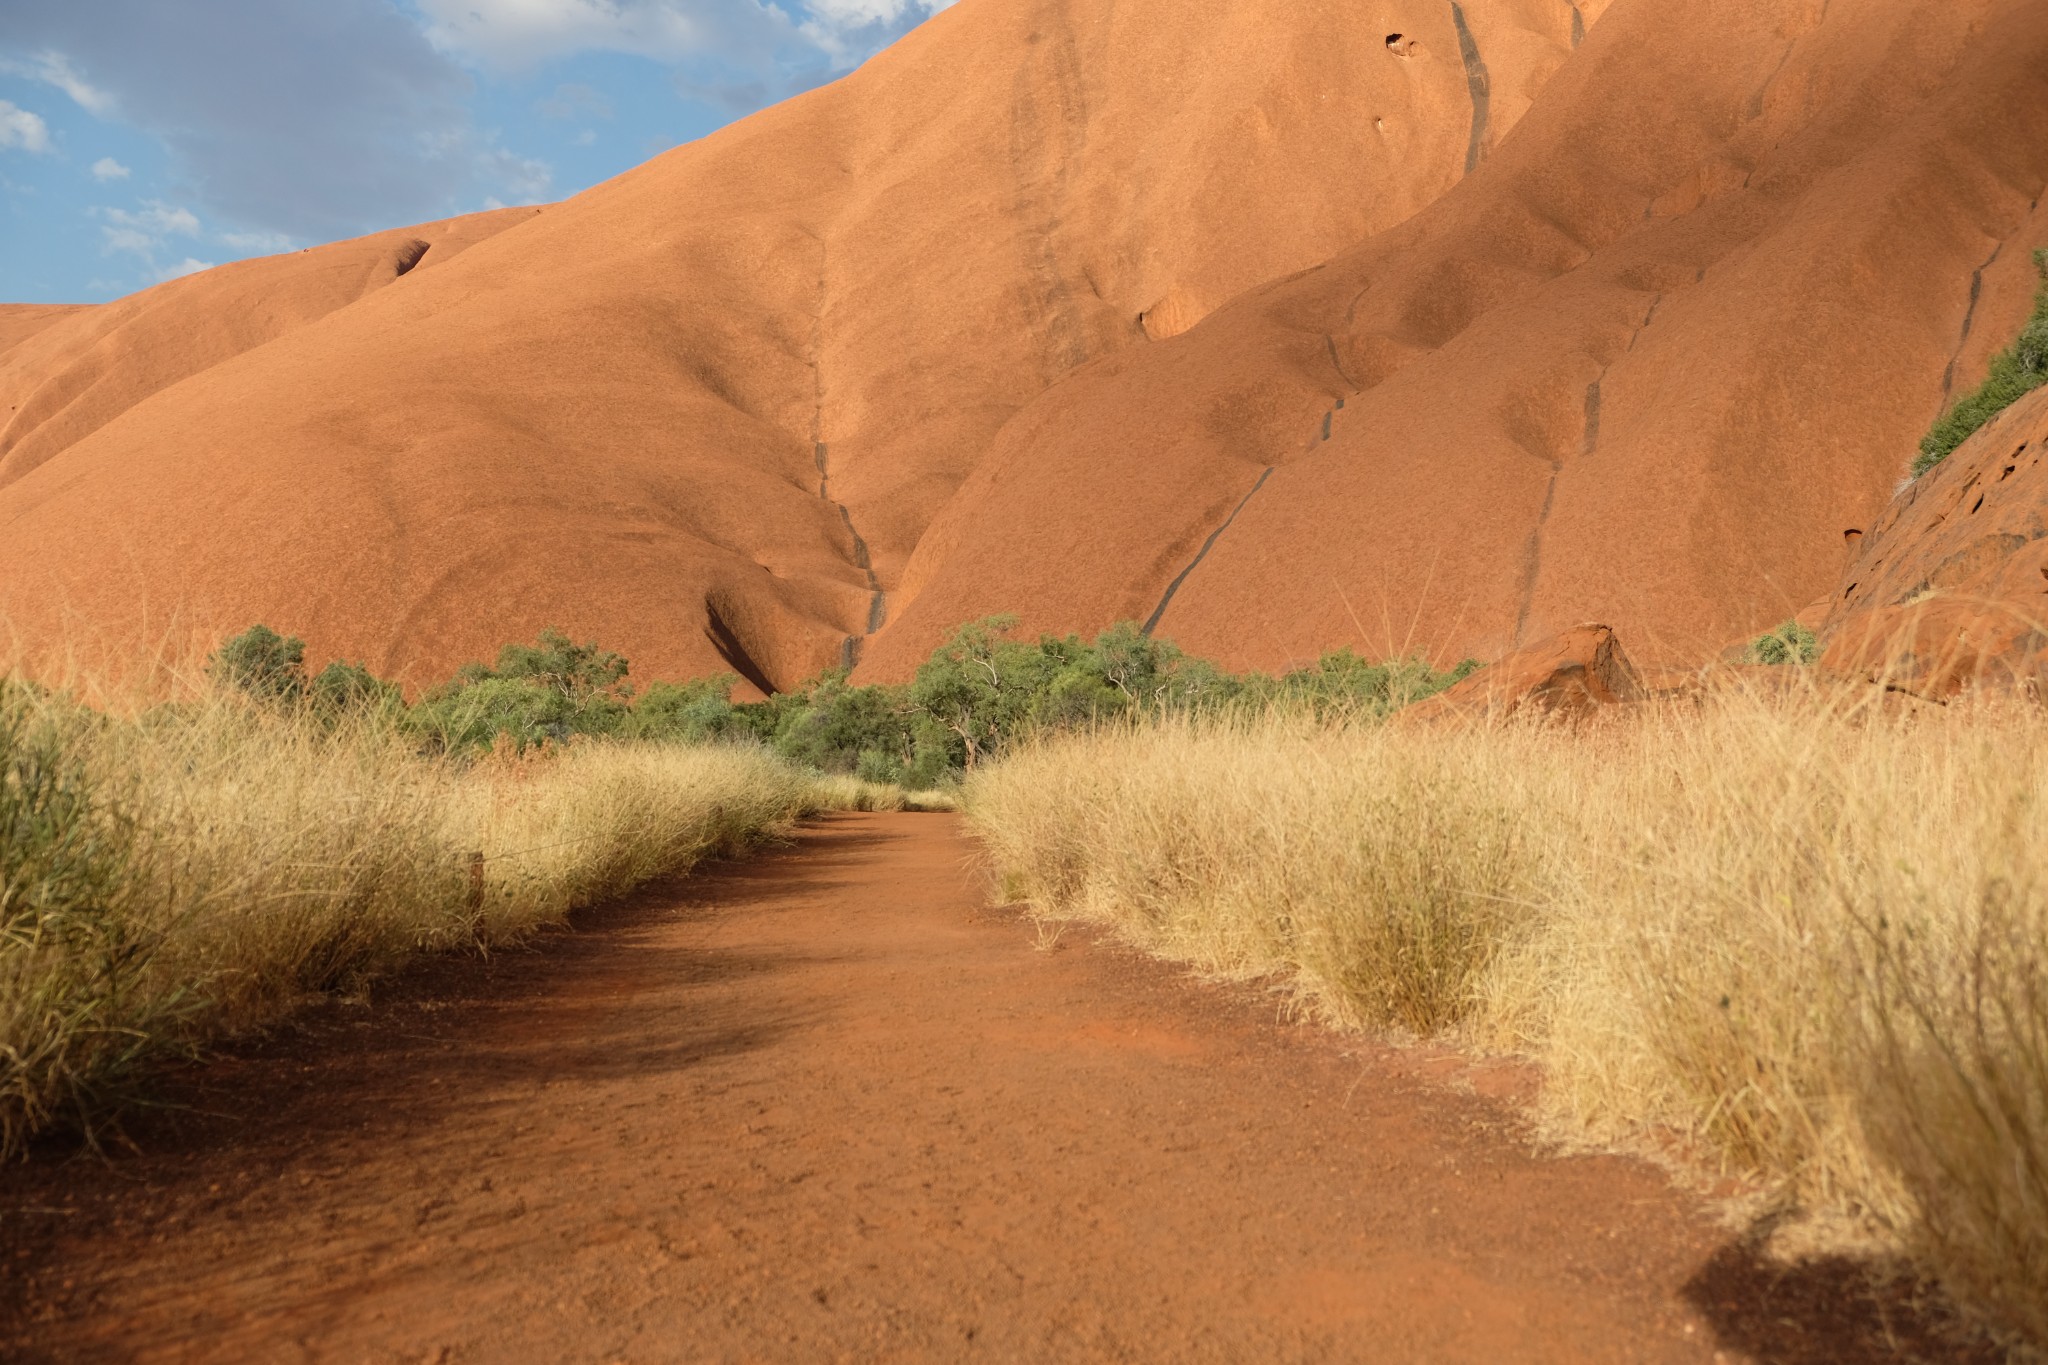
[1682, 328]
[1950, 589]
[1238, 319]
[1569, 675]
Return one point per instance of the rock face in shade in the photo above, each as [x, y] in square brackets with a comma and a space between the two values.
[1571, 674]
[1255, 322]
[1951, 586]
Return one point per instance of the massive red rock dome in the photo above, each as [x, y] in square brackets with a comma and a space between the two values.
[1389, 323]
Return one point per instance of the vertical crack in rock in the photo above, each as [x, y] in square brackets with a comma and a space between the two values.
[1481, 87]
[1756, 101]
[1589, 444]
[1532, 553]
[878, 601]
[1948, 376]
[1152, 621]
[1642, 326]
[1578, 28]
[1337, 364]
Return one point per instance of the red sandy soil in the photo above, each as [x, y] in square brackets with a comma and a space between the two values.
[1542, 312]
[825, 1105]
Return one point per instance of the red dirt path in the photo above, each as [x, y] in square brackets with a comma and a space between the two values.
[825, 1105]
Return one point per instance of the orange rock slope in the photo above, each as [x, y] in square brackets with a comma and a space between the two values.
[1556, 312]
[1951, 587]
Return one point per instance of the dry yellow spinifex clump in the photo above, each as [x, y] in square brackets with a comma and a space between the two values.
[199, 868]
[1810, 932]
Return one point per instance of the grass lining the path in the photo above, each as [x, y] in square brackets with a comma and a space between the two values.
[198, 870]
[1810, 935]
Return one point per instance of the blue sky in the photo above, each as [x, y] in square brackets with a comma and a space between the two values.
[143, 139]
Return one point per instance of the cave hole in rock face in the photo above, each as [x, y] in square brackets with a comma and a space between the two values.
[1400, 44]
[1852, 537]
[408, 255]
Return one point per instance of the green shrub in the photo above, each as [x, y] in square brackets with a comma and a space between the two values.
[350, 689]
[696, 712]
[1343, 684]
[472, 716]
[831, 727]
[580, 673]
[546, 691]
[1790, 643]
[268, 666]
[2016, 371]
[70, 950]
[978, 693]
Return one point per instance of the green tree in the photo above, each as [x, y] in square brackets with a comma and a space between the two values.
[979, 689]
[548, 690]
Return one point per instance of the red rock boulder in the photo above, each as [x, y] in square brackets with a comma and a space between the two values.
[1570, 675]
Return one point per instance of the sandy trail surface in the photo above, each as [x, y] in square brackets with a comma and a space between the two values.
[827, 1105]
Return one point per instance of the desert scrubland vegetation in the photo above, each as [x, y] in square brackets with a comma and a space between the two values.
[1802, 938]
[177, 872]
[175, 877]
[1799, 934]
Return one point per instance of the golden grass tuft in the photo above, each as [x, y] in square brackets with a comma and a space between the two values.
[1808, 933]
[198, 869]
[841, 791]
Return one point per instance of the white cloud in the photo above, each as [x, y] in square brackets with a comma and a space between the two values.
[55, 69]
[748, 35]
[267, 242]
[299, 118]
[145, 232]
[519, 33]
[106, 168]
[130, 240]
[156, 218]
[188, 266]
[23, 129]
[517, 175]
[319, 119]
[846, 30]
